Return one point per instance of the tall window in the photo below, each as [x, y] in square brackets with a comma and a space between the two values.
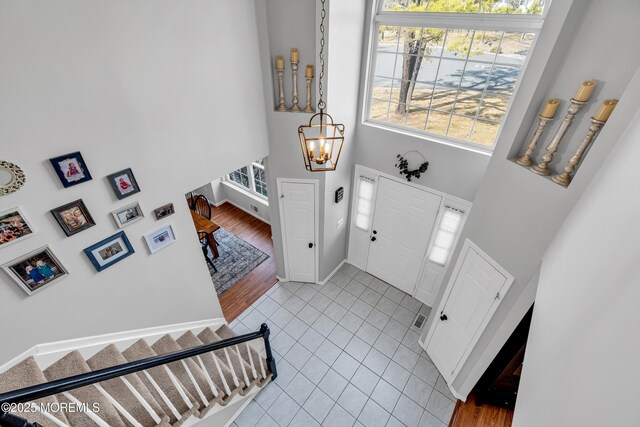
[364, 206]
[448, 228]
[448, 68]
[252, 178]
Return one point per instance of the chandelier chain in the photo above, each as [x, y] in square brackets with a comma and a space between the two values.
[321, 103]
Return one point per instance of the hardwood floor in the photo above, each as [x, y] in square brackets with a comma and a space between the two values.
[467, 414]
[259, 280]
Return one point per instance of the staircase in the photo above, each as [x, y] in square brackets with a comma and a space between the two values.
[129, 382]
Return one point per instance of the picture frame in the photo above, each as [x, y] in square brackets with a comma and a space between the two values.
[109, 251]
[160, 238]
[36, 270]
[71, 169]
[123, 183]
[164, 211]
[14, 227]
[128, 214]
[73, 217]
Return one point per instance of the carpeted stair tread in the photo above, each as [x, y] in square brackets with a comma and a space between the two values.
[207, 336]
[225, 332]
[27, 373]
[111, 356]
[166, 345]
[74, 364]
[141, 350]
[211, 363]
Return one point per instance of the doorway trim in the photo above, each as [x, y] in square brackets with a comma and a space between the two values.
[468, 244]
[283, 228]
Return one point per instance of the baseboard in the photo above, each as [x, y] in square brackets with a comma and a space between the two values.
[282, 279]
[244, 209]
[457, 395]
[335, 270]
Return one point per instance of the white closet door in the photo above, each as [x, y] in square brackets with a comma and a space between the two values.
[299, 228]
[403, 221]
[473, 295]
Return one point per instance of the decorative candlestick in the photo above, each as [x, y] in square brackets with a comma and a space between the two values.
[309, 77]
[597, 123]
[280, 70]
[545, 116]
[525, 159]
[565, 177]
[542, 168]
[294, 74]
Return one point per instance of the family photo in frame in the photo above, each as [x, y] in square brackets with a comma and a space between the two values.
[127, 215]
[73, 217]
[160, 238]
[109, 251]
[123, 183]
[13, 227]
[71, 169]
[36, 270]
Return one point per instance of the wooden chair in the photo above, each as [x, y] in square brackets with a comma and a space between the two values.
[202, 206]
[202, 235]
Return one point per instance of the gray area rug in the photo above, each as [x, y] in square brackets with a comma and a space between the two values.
[237, 259]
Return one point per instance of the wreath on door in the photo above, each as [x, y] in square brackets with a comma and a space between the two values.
[403, 166]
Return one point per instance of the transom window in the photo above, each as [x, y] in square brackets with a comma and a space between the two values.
[448, 68]
[252, 178]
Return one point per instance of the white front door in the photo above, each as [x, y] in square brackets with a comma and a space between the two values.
[299, 225]
[476, 289]
[403, 220]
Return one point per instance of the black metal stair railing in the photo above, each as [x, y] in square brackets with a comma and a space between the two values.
[65, 384]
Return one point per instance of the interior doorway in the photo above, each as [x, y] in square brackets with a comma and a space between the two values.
[231, 222]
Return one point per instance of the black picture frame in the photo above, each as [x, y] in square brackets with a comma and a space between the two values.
[98, 253]
[73, 217]
[120, 178]
[70, 176]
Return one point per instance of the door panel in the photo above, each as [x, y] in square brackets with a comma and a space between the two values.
[403, 220]
[472, 299]
[299, 224]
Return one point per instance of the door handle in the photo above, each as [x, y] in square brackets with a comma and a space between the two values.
[373, 239]
[310, 245]
[443, 317]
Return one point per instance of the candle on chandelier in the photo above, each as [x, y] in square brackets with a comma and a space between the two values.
[606, 109]
[279, 63]
[312, 147]
[309, 71]
[294, 55]
[550, 108]
[584, 93]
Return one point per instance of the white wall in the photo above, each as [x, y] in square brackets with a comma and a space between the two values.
[294, 23]
[155, 85]
[581, 364]
[244, 200]
[516, 214]
[345, 44]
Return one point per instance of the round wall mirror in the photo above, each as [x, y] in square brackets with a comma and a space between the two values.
[12, 178]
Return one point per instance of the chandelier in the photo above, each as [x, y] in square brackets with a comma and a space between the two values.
[321, 140]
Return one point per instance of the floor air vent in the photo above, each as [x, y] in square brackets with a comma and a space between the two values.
[418, 322]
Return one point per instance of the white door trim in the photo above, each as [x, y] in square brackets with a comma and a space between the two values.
[283, 229]
[468, 244]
